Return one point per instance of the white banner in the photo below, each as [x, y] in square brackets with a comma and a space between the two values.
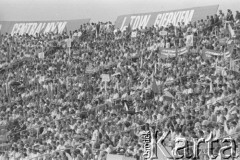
[41, 55]
[163, 33]
[189, 40]
[105, 77]
[118, 157]
[134, 34]
[231, 31]
[69, 41]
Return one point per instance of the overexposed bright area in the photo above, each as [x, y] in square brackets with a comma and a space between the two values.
[97, 10]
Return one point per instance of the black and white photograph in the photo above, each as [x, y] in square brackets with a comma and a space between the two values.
[119, 80]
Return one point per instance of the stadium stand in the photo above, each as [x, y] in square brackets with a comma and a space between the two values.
[91, 93]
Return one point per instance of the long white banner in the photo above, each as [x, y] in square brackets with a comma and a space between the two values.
[31, 28]
[164, 18]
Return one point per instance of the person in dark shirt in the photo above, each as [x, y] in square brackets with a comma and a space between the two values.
[216, 20]
[237, 17]
[98, 28]
[211, 23]
[230, 15]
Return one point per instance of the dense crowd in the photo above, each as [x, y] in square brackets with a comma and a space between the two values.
[57, 104]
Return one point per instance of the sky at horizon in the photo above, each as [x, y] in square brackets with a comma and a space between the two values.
[96, 10]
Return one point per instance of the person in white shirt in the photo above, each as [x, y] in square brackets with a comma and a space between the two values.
[23, 156]
[2, 157]
[232, 129]
[95, 136]
[216, 132]
[61, 146]
[17, 154]
[12, 154]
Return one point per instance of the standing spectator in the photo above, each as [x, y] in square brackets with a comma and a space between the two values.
[229, 16]
[237, 17]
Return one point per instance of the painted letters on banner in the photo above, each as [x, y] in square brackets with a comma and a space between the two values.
[164, 18]
[217, 53]
[172, 52]
[33, 28]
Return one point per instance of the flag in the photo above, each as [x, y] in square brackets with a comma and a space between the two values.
[168, 96]
[143, 82]
[66, 30]
[18, 76]
[189, 40]
[227, 55]
[231, 66]
[125, 106]
[134, 34]
[41, 55]
[162, 70]
[67, 82]
[176, 31]
[176, 51]
[155, 67]
[236, 65]
[9, 52]
[236, 68]
[105, 86]
[97, 29]
[231, 31]
[122, 47]
[216, 63]
[150, 56]
[58, 88]
[0, 37]
[154, 86]
[89, 69]
[204, 54]
[6, 88]
[211, 87]
[117, 86]
[57, 30]
[51, 90]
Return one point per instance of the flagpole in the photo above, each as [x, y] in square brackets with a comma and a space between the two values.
[38, 96]
[177, 52]
[155, 65]
[105, 86]
[69, 51]
[7, 89]
[0, 37]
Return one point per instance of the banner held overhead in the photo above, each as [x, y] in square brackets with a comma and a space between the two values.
[164, 18]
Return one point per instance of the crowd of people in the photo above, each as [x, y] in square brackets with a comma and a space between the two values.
[92, 92]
